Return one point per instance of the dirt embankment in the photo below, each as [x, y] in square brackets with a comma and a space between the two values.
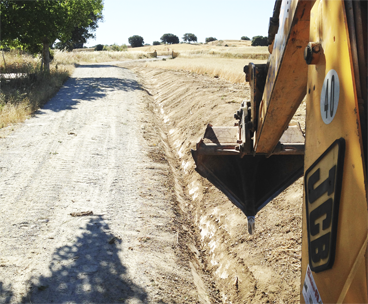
[259, 268]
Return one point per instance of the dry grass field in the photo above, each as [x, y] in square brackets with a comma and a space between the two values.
[223, 58]
[236, 49]
[22, 96]
[212, 59]
[225, 68]
[194, 46]
[95, 57]
[24, 88]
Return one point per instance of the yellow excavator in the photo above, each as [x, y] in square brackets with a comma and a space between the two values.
[318, 53]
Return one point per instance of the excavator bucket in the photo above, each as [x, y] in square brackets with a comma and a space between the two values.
[250, 182]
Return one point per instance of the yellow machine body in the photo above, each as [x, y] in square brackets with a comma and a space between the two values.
[318, 50]
[346, 280]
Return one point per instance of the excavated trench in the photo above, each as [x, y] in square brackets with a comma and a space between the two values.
[260, 268]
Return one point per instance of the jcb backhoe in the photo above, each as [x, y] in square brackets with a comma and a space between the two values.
[318, 53]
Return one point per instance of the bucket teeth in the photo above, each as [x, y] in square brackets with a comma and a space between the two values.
[251, 224]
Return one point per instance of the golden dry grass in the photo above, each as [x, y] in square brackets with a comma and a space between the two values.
[18, 62]
[10, 114]
[228, 69]
[95, 57]
[23, 95]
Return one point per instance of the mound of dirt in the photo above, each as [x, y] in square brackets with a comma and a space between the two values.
[231, 42]
[261, 268]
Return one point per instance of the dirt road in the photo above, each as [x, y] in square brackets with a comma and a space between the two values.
[93, 147]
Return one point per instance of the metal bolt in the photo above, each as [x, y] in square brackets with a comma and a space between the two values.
[312, 52]
[316, 48]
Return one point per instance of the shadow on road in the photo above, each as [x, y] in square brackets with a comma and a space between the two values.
[87, 89]
[6, 294]
[89, 271]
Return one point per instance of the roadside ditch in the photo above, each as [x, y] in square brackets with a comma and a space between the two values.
[228, 264]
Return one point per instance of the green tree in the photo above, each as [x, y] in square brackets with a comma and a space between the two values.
[156, 43]
[99, 47]
[169, 38]
[80, 35]
[209, 39]
[245, 38]
[37, 24]
[259, 41]
[190, 37]
[136, 41]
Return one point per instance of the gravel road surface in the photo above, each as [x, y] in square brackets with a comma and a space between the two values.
[93, 147]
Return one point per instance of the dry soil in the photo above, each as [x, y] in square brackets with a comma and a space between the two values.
[119, 145]
[259, 268]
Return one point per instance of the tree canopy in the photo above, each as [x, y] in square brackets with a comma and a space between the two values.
[169, 38]
[136, 41]
[38, 23]
[259, 41]
[190, 37]
[209, 39]
[81, 34]
[99, 47]
[245, 38]
[156, 43]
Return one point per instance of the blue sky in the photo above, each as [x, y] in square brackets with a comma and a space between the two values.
[150, 19]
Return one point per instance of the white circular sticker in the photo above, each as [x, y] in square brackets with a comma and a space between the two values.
[330, 96]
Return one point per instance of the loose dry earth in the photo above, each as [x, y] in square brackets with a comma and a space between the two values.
[264, 267]
[119, 145]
